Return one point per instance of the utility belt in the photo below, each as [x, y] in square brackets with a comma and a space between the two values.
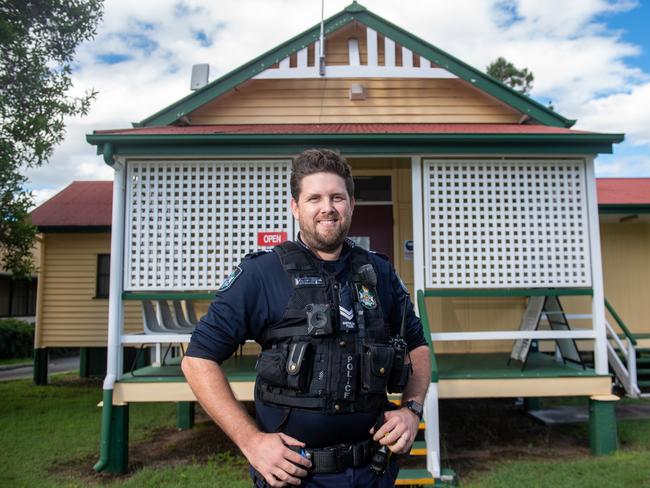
[338, 458]
[334, 459]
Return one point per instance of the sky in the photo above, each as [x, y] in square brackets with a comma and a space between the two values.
[590, 58]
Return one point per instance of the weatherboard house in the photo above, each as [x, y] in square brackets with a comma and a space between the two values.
[484, 199]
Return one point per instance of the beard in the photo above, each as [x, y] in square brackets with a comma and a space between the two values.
[324, 241]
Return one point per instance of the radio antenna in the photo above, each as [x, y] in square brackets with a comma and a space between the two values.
[321, 44]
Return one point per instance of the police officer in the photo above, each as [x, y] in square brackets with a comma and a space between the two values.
[326, 314]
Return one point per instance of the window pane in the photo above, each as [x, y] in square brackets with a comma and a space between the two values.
[103, 275]
[4, 295]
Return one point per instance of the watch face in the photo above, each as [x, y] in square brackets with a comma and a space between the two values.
[415, 407]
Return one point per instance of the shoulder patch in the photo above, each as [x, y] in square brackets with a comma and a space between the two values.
[255, 254]
[230, 279]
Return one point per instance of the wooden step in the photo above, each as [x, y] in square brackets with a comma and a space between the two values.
[642, 371]
[414, 477]
[643, 384]
[419, 448]
[421, 477]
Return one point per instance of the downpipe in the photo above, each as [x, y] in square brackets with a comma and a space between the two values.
[105, 436]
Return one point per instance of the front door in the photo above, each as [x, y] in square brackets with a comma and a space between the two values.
[372, 221]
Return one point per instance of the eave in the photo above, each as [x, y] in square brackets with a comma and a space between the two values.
[351, 144]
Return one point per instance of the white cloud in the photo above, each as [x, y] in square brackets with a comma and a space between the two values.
[585, 68]
[624, 166]
[630, 110]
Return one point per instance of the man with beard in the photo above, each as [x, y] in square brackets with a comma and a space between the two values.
[326, 314]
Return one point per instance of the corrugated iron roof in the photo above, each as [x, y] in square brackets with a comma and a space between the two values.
[623, 191]
[89, 203]
[343, 129]
[80, 204]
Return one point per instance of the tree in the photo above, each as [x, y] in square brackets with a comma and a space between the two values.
[506, 72]
[38, 39]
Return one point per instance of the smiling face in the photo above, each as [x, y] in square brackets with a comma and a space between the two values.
[324, 212]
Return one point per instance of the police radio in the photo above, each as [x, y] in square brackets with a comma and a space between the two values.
[401, 370]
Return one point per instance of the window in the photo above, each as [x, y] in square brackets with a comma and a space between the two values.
[103, 275]
[17, 297]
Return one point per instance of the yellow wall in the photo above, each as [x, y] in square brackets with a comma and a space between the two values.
[626, 267]
[313, 101]
[68, 314]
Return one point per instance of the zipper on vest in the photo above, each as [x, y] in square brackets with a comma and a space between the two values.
[333, 351]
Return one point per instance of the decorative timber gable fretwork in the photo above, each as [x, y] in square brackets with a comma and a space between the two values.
[383, 58]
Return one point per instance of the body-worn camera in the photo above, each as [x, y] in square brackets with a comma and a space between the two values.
[319, 320]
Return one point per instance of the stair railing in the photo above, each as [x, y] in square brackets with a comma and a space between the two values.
[431, 414]
[626, 373]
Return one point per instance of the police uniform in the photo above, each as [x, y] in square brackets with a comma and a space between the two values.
[325, 328]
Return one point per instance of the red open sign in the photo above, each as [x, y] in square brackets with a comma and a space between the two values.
[271, 238]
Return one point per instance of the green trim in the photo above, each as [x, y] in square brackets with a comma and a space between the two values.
[108, 153]
[603, 433]
[492, 366]
[532, 403]
[190, 295]
[185, 415]
[105, 435]
[624, 209]
[285, 145]
[357, 12]
[508, 292]
[41, 359]
[424, 318]
[620, 323]
[83, 362]
[118, 462]
[277, 139]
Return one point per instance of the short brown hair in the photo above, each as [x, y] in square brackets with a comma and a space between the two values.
[320, 161]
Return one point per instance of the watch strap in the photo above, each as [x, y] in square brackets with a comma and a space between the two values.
[415, 407]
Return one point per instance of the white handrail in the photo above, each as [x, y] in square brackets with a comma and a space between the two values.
[513, 334]
[612, 334]
[626, 373]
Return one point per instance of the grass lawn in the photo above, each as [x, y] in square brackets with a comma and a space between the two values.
[50, 438]
[9, 362]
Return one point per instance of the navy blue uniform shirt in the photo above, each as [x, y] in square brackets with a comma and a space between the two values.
[258, 297]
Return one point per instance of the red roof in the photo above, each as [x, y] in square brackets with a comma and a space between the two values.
[623, 191]
[82, 203]
[88, 203]
[343, 129]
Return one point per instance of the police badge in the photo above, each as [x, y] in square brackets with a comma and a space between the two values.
[366, 296]
[230, 279]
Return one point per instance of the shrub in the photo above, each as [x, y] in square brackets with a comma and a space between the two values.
[16, 339]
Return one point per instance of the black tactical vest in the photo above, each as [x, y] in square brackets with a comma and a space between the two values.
[307, 360]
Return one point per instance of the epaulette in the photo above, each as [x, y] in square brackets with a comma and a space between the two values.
[383, 256]
[257, 253]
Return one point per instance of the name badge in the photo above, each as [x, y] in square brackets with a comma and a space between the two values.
[309, 281]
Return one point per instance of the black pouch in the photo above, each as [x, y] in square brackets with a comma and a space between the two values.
[402, 370]
[299, 366]
[271, 366]
[376, 364]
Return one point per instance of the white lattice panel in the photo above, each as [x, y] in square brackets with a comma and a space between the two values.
[506, 224]
[189, 223]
